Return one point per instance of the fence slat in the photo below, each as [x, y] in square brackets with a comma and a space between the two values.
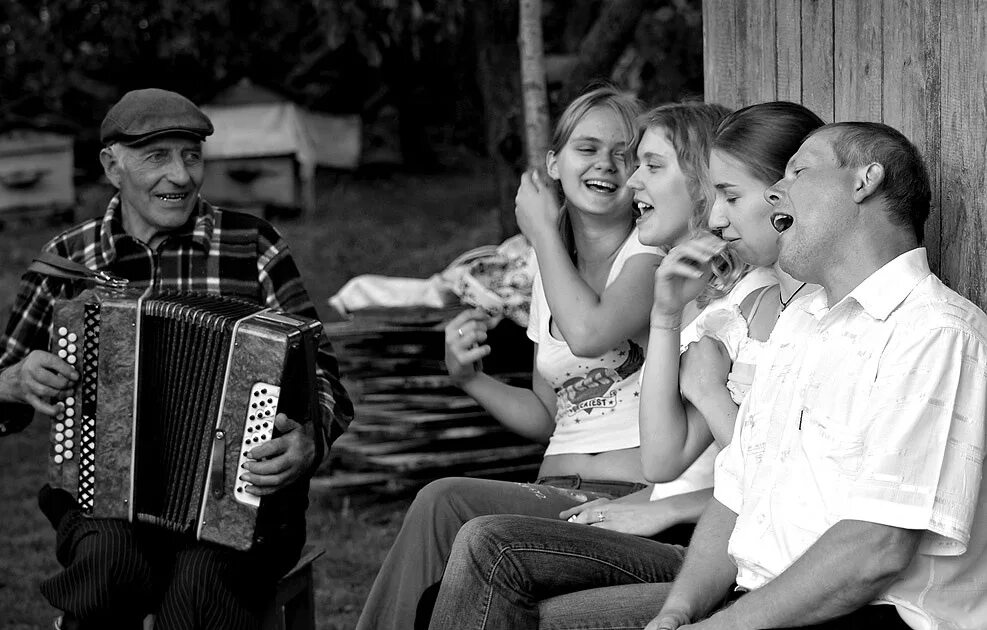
[911, 92]
[720, 61]
[755, 45]
[858, 61]
[788, 58]
[964, 164]
[817, 57]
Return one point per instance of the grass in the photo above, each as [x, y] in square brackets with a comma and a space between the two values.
[406, 225]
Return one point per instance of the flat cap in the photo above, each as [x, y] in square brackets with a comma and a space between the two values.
[144, 114]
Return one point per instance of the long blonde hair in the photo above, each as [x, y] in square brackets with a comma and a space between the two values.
[625, 107]
[689, 127]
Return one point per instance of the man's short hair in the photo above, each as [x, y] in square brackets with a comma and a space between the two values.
[906, 186]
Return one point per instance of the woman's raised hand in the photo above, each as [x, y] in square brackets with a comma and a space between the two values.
[681, 276]
[535, 207]
[465, 334]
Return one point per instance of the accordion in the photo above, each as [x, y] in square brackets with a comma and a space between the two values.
[174, 390]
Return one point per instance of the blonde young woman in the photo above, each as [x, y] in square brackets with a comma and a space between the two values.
[522, 572]
[589, 318]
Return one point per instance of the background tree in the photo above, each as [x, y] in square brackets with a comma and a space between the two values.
[446, 71]
[534, 91]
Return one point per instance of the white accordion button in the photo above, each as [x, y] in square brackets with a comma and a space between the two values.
[255, 433]
[70, 412]
[69, 422]
[59, 426]
[68, 454]
[62, 354]
[72, 348]
[69, 444]
[62, 342]
[58, 459]
[69, 433]
[72, 337]
[59, 448]
[62, 331]
[71, 359]
[59, 436]
[69, 401]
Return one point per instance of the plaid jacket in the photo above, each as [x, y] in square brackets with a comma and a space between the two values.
[218, 252]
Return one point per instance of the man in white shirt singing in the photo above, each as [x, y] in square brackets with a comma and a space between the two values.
[851, 494]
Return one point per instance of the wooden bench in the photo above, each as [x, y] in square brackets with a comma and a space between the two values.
[293, 606]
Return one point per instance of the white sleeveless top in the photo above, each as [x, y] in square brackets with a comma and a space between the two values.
[596, 398]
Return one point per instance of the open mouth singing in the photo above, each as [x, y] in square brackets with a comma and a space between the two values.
[781, 221]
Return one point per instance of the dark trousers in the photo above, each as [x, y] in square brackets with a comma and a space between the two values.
[116, 573]
[875, 617]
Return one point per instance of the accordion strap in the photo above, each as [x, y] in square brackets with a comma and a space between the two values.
[49, 264]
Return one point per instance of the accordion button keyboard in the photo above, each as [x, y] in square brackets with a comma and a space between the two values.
[257, 431]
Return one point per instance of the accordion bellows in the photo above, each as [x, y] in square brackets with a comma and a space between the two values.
[174, 389]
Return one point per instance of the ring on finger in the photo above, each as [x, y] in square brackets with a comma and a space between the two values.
[601, 516]
[459, 331]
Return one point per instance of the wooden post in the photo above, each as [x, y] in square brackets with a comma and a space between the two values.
[533, 89]
[494, 30]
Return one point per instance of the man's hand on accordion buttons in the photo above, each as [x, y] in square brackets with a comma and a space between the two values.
[281, 461]
[40, 379]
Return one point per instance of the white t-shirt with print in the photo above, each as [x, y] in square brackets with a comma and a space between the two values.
[596, 398]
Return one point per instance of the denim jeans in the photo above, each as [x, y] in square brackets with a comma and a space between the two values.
[523, 572]
[418, 556]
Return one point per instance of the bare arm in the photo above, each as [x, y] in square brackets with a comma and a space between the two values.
[671, 437]
[703, 374]
[591, 323]
[528, 412]
[637, 514]
[707, 574]
[673, 434]
[847, 568]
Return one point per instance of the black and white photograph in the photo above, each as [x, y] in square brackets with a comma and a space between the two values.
[493, 314]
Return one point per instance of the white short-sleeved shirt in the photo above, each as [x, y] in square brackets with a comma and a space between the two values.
[871, 410]
[596, 398]
[699, 474]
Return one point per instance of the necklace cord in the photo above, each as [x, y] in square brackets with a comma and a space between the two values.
[785, 303]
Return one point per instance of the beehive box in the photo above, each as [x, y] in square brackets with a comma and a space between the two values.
[35, 171]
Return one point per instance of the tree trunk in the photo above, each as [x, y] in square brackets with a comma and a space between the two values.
[604, 44]
[533, 88]
[495, 32]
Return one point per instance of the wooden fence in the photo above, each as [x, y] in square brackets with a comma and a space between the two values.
[917, 65]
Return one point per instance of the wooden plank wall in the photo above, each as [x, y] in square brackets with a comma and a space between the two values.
[917, 65]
